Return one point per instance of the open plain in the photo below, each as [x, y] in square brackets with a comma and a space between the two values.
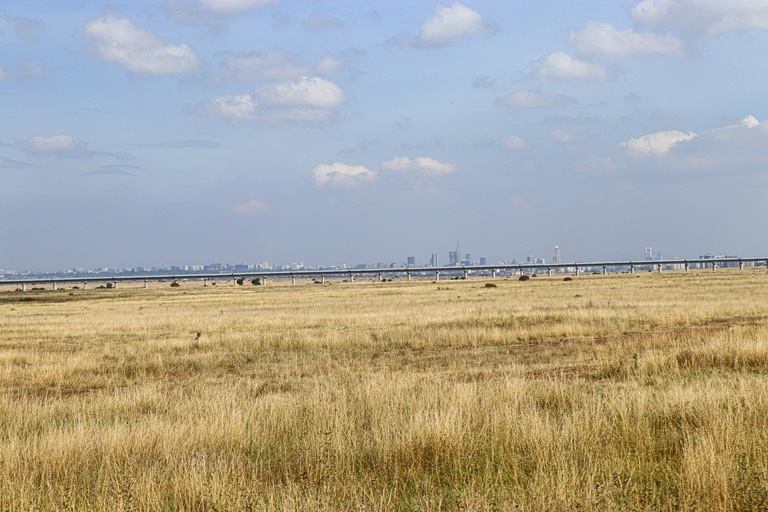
[619, 392]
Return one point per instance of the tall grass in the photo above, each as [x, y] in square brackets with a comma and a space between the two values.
[618, 393]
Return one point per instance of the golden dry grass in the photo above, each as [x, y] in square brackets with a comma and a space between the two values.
[643, 392]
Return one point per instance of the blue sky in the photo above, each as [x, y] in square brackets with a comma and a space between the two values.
[187, 132]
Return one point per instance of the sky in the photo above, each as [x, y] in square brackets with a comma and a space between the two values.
[186, 132]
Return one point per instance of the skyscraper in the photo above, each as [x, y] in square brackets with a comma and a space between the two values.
[556, 257]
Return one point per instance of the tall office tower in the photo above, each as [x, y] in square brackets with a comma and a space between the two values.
[434, 261]
[648, 253]
[483, 260]
[658, 256]
[529, 259]
[411, 261]
[556, 258]
[454, 257]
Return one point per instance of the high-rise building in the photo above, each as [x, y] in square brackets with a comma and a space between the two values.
[556, 257]
[483, 260]
[648, 253]
[411, 261]
[454, 257]
[434, 261]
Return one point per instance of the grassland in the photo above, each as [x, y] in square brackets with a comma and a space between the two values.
[644, 392]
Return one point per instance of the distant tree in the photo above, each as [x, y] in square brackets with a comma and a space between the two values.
[240, 281]
[256, 281]
[175, 284]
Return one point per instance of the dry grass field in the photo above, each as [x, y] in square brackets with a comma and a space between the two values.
[619, 392]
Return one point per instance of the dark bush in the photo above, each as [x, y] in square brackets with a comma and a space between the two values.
[256, 281]
[240, 281]
[568, 279]
[490, 285]
[109, 285]
[524, 277]
[175, 284]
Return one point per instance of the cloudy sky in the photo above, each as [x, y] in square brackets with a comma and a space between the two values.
[184, 132]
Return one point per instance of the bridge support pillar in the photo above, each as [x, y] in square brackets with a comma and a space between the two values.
[493, 273]
[465, 273]
[380, 278]
[714, 266]
[293, 279]
[351, 278]
[114, 285]
[146, 283]
[577, 271]
[264, 281]
[631, 269]
[409, 276]
[437, 275]
[687, 266]
[85, 285]
[549, 272]
[205, 282]
[322, 279]
[659, 267]
[741, 265]
[23, 287]
[605, 269]
[55, 287]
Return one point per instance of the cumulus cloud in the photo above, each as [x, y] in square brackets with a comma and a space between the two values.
[339, 173]
[312, 92]
[140, 51]
[526, 98]
[561, 66]
[251, 208]
[58, 145]
[266, 65]
[515, 142]
[697, 18]
[421, 166]
[27, 69]
[306, 99]
[561, 135]
[330, 65]
[655, 143]
[598, 38]
[450, 24]
[201, 11]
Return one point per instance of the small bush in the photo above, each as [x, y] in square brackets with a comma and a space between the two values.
[256, 281]
[490, 285]
[109, 285]
[37, 289]
[75, 287]
[568, 279]
[524, 277]
[240, 281]
[175, 284]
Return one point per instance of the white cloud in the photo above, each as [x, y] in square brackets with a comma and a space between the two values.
[27, 69]
[140, 51]
[312, 92]
[423, 166]
[561, 66]
[561, 135]
[655, 143]
[702, 17]
[330, 65]
[251, 208]
[339, 173]
[195, 11]
[515, 142]
[449, 24]
[306, 99]
[598, 38]
[59, 145]
[266, 65]
[527, 99]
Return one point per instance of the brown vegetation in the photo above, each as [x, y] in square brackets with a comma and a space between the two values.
[622, 392]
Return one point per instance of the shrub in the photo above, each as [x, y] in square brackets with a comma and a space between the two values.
[109, 285]
[175, 284]
[524, 277]
[240, 281]
[256, 281]
[490, 285]
[568, 279]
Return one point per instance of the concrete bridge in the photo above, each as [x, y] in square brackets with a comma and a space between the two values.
[461, 271]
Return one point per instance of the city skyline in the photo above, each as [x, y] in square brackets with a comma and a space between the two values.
[140, 134]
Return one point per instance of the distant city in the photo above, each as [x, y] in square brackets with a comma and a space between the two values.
[455, 258]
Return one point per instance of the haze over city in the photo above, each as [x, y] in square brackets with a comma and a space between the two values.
[144, 134]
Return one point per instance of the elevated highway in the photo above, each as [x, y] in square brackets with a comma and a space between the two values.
[463, 271]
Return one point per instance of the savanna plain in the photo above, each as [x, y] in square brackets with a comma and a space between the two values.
[618, 392]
